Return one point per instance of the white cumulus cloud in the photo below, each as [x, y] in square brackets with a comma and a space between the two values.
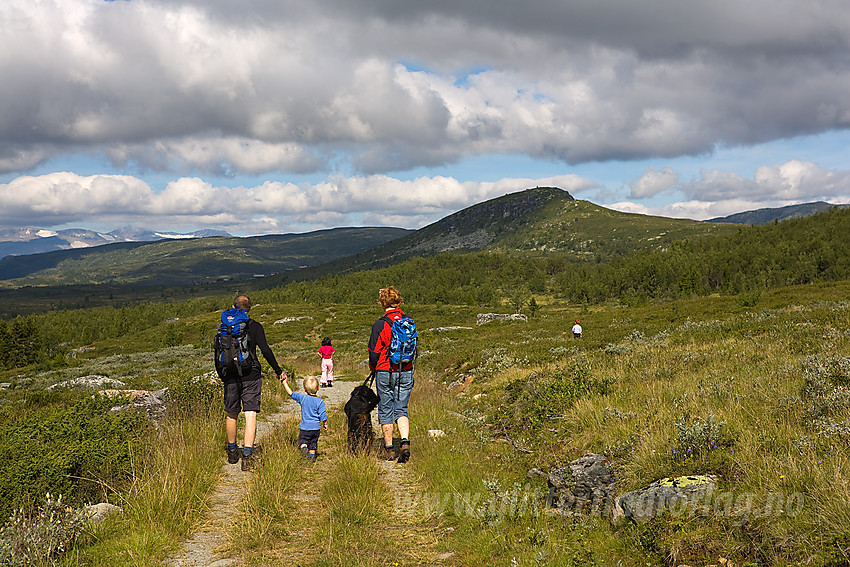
[720, 193]
[653, 182]
[64, 198]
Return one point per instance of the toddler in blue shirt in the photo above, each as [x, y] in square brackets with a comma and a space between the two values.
[314, 416]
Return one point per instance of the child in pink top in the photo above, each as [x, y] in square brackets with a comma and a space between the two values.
[326, 351]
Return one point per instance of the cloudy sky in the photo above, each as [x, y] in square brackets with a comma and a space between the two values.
[259, 116]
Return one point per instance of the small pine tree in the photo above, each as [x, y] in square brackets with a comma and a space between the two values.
[519, 298]
[532, 307]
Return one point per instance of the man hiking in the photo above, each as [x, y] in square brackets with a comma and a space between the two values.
[242, 376]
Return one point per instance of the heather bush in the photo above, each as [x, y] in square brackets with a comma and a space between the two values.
[547, 395]
[697, 436]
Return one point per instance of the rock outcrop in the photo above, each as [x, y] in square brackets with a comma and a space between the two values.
[152, 403]
[290, 319]
[96, 513]
[484, 318]
[673, 494]
[585, 485]
[92, 381]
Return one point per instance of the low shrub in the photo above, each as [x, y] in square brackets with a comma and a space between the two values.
[826, 388]
[541, 397]
[699, 436]
[71, 445]
[35, 538]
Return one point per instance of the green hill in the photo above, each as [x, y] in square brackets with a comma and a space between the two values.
[193, 261]
[764, 216]
[543, 221]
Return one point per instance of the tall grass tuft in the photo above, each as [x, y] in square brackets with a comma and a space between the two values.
[266, 511]
[353, 492]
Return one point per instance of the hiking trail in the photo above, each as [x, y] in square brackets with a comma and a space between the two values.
[200, 549]
[203, 548]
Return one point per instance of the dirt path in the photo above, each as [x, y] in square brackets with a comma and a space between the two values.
[200, 550]
[414, 536]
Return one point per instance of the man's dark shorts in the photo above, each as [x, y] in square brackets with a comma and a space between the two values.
[309, 437]
[242, 395]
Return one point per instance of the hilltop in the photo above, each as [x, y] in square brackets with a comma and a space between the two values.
[543, 221]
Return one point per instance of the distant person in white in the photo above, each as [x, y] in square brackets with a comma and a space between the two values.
[576, 330]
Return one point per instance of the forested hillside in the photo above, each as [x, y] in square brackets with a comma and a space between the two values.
[543, 222]
[753, 259]
[750, 259]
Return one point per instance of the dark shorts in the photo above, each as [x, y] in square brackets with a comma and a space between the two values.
[309, 437]
[242, 395]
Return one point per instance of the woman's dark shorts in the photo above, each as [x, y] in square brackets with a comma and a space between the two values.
[309, 437]
[242, 395]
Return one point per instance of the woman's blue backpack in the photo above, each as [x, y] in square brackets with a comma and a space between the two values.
[402, 347]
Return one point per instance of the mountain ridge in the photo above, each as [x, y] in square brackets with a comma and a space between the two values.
[536, 221]
[540, 220]
[191, 261]
[766, 215]
[26, 240]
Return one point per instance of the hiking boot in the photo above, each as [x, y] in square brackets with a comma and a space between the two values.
[249, 461]
[330, 383]
[388, 453]
[233, 455]
[404, 454]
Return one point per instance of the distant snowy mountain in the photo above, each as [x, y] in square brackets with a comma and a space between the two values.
[18, 241]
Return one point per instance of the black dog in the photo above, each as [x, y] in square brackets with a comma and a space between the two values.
[358, 409]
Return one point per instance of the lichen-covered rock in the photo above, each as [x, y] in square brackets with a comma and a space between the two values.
[93, 381]
[291, 319]
[96, 513]
[674, 494]
[586, 484]
[152, 403]
[536, 474]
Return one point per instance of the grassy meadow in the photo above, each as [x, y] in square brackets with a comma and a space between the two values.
[753, 388]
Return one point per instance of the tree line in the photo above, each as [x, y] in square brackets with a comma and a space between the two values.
[792, 252]
[47, 338]
[754, 258]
